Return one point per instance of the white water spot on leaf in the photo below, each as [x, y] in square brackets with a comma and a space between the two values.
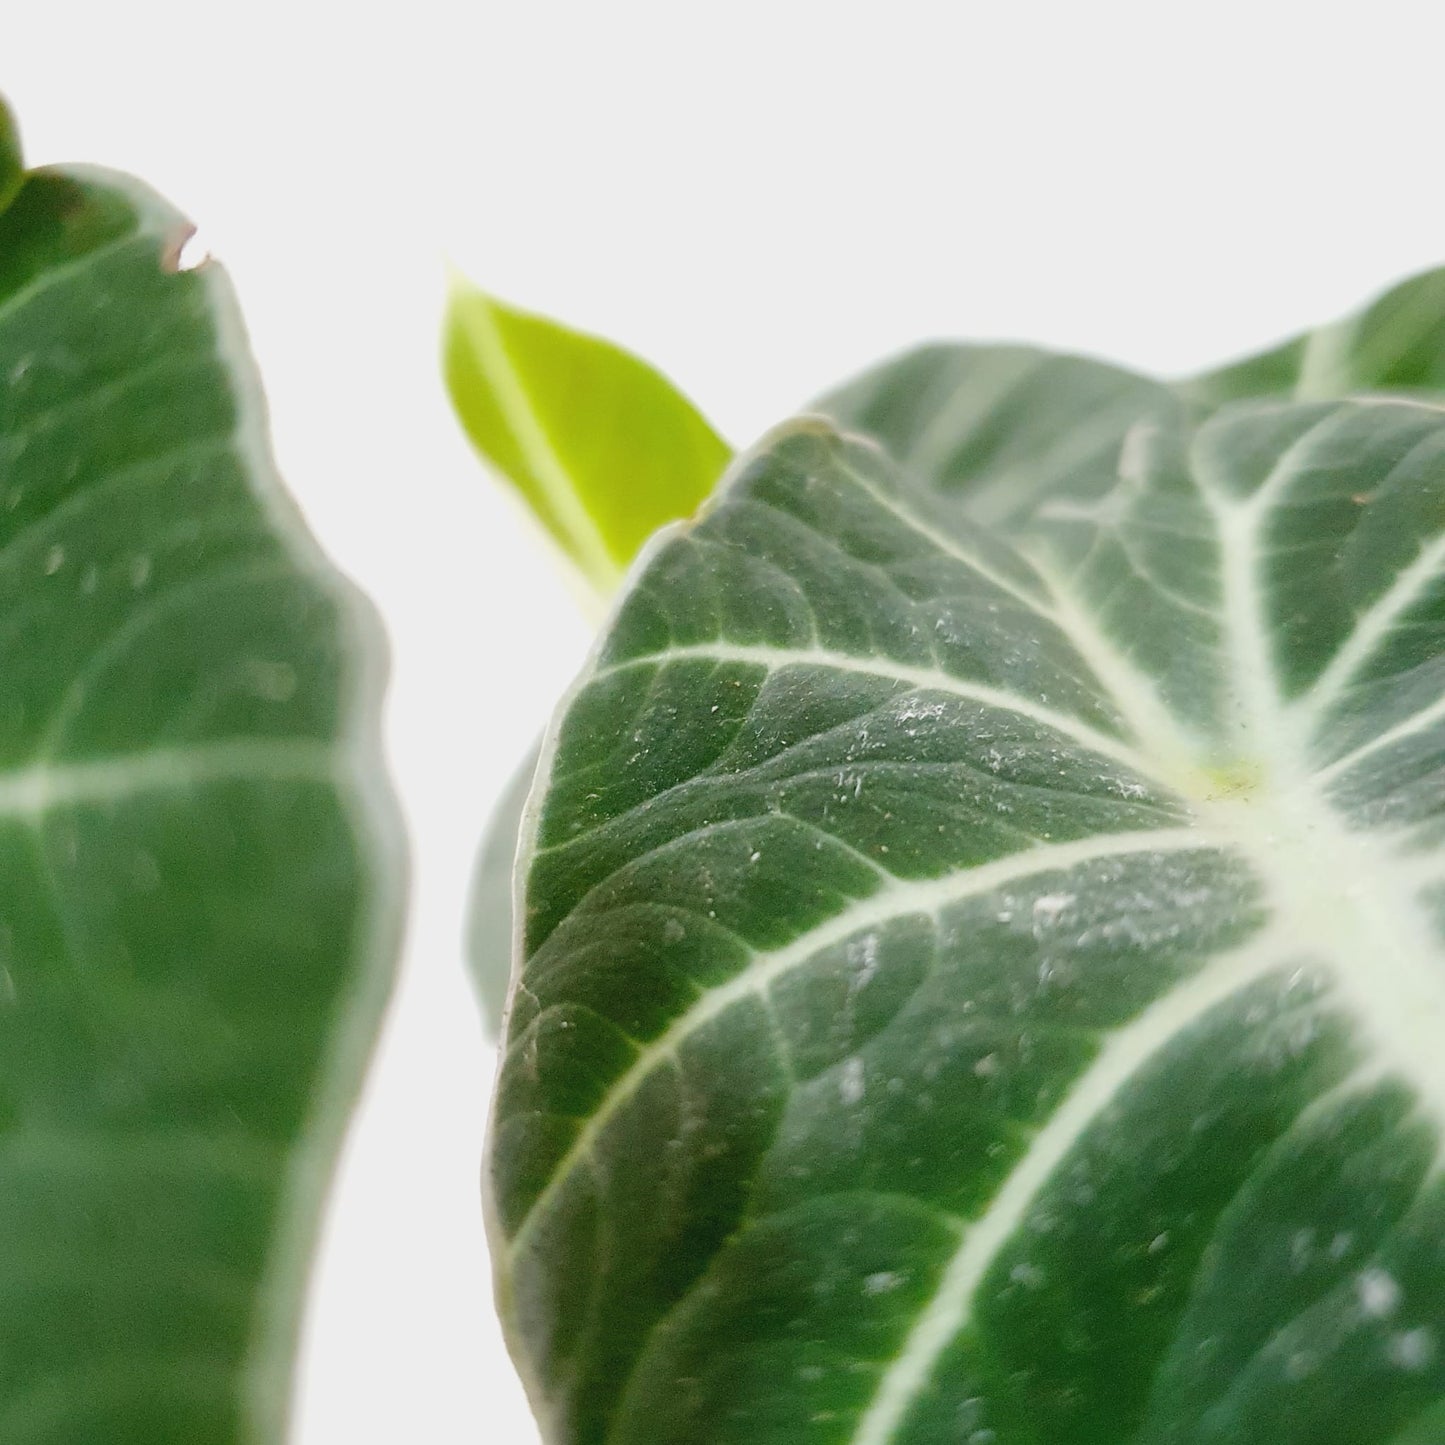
[1341, 1245]
[1048, 908]
[1378, 1293]
[1030, 1276]
[1300, 1365]
[1159, 1242]
[863, 961]
[1301, 1249]
[884, 1282]
[851, 1083]
[54, 561]
[673, 931]
[140, 571]
[987, 1066]
[1412, 1350]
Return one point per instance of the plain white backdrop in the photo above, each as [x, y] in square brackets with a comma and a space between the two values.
[760, 198]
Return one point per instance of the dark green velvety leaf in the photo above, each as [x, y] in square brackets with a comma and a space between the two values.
[991, 989]
[198, 863]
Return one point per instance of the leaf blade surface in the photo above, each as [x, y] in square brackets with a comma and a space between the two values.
[952, 964]
[201, 867]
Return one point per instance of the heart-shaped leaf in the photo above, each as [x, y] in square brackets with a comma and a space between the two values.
[991, 989]
[198, 872]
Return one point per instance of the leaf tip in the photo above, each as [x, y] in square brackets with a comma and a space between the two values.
[12, 161]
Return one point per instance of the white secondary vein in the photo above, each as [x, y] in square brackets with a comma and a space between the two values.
[986, 383]
[1137, 699]
[1123, 1053]
[889, 903]
[30, 792]
[949, 546]
[1371, 629]
[1341, 892]
[932, 678]
[65, 272]
[1406, 727]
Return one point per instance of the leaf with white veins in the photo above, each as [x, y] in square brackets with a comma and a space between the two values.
[199, 864]
[996, 430]
[992, 990]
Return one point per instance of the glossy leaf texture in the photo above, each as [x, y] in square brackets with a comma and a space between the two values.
[199, 868]
[998, 429]
[990, 989]
[603, 449]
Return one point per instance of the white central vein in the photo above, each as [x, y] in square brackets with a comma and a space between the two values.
[1123, 1054]
[1337, 898]
[895, 901]
[1342, 892]
[924, 678]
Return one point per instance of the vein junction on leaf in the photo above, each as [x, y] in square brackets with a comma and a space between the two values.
[1337, 900]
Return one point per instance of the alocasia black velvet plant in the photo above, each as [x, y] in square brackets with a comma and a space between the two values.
[973, 965]
[979, 972]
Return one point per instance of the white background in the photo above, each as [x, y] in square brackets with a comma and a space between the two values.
[759, 197]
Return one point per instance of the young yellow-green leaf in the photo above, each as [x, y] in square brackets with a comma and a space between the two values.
[198, 861]
[602, 447]
[995, 429]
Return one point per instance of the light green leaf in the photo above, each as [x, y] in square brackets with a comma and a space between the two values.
[198, 862]
[602, 447]
[490, 921]
[992, 990]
